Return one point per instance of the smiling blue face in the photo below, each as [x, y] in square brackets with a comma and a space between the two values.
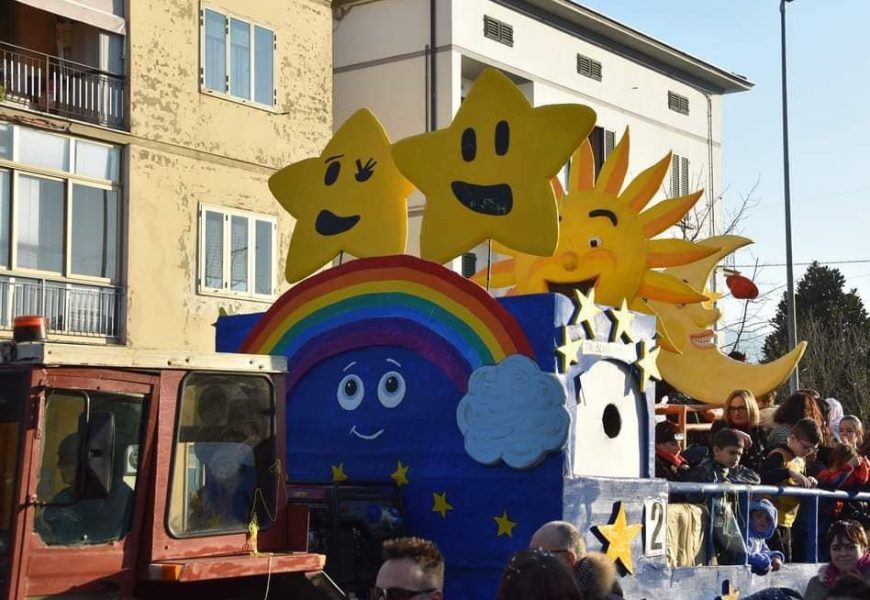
[367, 409]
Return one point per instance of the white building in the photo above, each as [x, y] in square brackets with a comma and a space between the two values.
[557, 52]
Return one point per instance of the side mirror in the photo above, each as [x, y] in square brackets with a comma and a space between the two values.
[97, 459]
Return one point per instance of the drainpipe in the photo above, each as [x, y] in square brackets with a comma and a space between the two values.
[433, 73]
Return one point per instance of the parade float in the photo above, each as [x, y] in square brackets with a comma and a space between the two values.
[490, 416]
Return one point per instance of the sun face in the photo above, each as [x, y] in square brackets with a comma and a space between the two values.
[605, 237]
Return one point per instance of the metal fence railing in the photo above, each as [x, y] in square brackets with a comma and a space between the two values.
[72, 309]
[810, 501]
[56, 85]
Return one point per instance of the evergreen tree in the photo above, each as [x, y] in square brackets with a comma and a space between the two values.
[836, 326]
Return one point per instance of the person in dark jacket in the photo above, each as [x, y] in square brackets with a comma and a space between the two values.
[741, 414]
[724, 465]
[669, 464]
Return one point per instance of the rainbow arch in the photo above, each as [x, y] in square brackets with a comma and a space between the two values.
[395, 300]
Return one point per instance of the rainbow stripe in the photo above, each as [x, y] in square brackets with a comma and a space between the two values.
[395, 300]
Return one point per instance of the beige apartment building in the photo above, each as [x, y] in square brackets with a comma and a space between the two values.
[136, 141]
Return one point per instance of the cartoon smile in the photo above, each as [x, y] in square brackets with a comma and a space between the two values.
[328, 223]
[363, 436]
[567, 288]
[494, 200]
[703, 339]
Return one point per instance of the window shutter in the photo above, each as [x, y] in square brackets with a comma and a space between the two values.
[609, 142]
[469, 264]
[490, 28]
[506, 35]
[675, 176]
[684, 176]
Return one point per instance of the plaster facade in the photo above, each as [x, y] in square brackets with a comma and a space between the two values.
[391, 75]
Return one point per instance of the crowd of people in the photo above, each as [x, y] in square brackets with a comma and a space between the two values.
[805, 442]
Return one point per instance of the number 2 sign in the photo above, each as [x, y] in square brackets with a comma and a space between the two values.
[654, 527]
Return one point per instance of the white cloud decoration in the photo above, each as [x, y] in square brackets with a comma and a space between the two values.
[514, 412]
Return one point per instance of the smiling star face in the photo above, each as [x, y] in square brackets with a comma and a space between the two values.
[349, 199]
[487, 174]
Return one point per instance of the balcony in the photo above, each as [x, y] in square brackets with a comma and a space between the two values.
[71, 309]
[54, 85]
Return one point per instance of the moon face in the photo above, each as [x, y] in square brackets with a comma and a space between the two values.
[702, 371]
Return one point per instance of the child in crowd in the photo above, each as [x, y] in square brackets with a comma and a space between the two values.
[851, 431]
[848, 471]
[848, 547]
[724, 465]
[762, 523]
[669, 464]
[785, 466]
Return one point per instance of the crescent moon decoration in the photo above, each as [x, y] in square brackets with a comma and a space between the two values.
[702, 371]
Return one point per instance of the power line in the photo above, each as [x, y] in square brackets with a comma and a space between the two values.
[860, 261]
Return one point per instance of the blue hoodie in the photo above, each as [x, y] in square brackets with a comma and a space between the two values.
[760, 556]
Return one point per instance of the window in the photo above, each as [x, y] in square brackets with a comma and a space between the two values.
[469, 264]
[678, 103]
[238, 58]
[237, 252]
[224, 465]
[679, 176]
[603, 141]
[65, 517]
[498, 31]
[60, 223]
[588, 67]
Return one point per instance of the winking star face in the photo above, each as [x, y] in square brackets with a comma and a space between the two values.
[488, 174]
[349, 199]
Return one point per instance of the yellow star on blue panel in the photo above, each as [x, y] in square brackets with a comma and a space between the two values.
[728, 591]
[586, 311]
[620, 319]
[505, 525]
[400, 475]
[619, 535]
[338, 474]
[440, 504]
[646, 363]
[569, 349]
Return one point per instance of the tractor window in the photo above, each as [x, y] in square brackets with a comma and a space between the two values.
[12, 397]
[225, 467]
[64, 518]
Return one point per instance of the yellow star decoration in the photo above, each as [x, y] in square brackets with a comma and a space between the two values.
[619, 535]
[620, 318]
[646, 364]
[569, 349]
[728, 592]
[440, 504]
[338, 473]
[400, 475]
[351, 198]
[505, 525]
[487, 175]
[586, 311]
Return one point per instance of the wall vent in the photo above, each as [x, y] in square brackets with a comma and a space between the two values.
[678, 103]
[588, 67]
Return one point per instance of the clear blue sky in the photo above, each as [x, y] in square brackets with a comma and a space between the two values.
[829, 121]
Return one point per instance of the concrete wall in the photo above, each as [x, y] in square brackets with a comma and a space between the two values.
[189, 148]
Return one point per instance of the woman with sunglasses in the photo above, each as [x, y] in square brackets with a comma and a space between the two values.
[848, 546]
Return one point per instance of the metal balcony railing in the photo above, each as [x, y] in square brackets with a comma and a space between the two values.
[71, 309]
[810, 500]
[55, 85]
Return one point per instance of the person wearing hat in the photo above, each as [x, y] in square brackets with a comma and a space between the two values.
[669, 464]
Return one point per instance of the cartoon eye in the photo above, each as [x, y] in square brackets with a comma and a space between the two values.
[502, 138]
[594, 242]
[350, 392]
[365, 171]
[469, 145]
[391, 389]
[332, 172]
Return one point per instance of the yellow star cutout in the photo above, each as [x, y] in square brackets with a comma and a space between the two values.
[440, 504]
[569, 349]
[586, 311]
[728, 592]
[619, 536]
[338, 473]
[620, 319]
[400, 475]
[351, 198]
[487, 175]
[646, 364]
[505, 525]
